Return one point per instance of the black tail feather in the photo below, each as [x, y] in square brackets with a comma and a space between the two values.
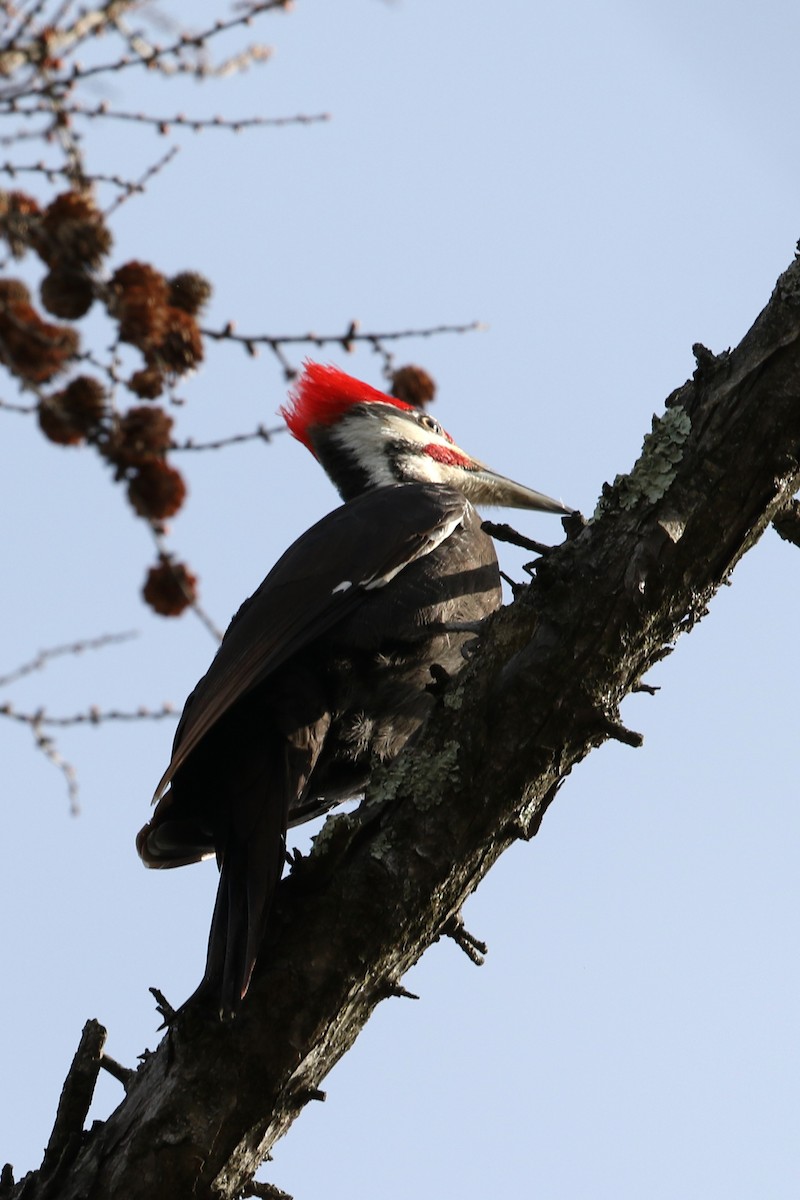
[250, 869]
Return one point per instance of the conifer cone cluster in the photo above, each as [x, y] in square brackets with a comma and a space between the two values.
[413, 385]
[19, 217]
[30, 347]
[170, 587]
[156, 315]
[71, 416]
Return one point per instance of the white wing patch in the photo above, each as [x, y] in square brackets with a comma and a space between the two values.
[342, 587]
[431, 542]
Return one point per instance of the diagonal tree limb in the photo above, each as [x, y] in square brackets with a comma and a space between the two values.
[543, 688]
[76, 1096]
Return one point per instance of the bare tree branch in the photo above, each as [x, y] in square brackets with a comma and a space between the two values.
[261, 434]
[93, 716]
[184, 55]
[162, 125]
[39, 720]
[44, 657]
[76, 1096]
[347, 340]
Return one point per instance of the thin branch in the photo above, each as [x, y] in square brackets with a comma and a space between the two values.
[474, 948]
[260, 434]
[143, 53]
[76, 1097]
[39, 720]
[264, 1191]
[15, 35]
[9, 406]
[139, 185]
[347, 340]
[195, 605]
[787, 523]
[92, 716]
[122, 1074]
[506, 533]
[54, 173]
[164, 124]
[13, 55]
[72, 648]
[46, 745]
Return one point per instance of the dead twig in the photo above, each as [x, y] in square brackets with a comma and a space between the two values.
[44, 657]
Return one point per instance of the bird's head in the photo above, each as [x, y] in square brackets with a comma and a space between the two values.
[364, 438]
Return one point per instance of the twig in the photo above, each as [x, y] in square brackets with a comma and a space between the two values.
[13, 55]
[51, 752]
[620, 733]
[505, 533]
[473, 947]
[37, 721]
[346, 340]
[76, 1097]
[8, 406]
[260, 434]
[93, 716]
[15, 35]
[264, 1191]
[6, 1181]
[306, 1095]
[53, 173]
[193, 602]
[390, 987]
[163, 1007]
[163, 125]
[143, 54]
[46, 656]
[123, 1074]
[140, 184]
[787, 523]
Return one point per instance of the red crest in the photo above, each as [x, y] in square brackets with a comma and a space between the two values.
[323, 394]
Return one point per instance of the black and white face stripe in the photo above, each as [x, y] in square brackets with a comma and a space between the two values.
[377, 445]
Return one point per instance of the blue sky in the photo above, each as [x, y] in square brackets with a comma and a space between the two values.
[602, 185]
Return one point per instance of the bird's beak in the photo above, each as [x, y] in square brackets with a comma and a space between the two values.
[484, 486]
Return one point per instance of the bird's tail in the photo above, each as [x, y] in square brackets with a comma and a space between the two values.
[251, 854]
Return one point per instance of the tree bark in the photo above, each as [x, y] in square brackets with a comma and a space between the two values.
[542, 689]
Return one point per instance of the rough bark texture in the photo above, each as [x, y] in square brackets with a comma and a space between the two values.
[542, 690]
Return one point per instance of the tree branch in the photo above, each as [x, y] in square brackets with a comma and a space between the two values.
[76, 1096]
[543, 689]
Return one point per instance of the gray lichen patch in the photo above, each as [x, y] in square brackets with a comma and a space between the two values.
[337, 827]
[656, 466]
[417, 775]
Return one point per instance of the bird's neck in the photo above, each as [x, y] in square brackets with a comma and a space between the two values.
[353, 470]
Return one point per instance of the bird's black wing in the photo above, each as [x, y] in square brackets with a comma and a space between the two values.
[318, 582]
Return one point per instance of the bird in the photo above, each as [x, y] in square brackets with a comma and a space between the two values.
[328, 668]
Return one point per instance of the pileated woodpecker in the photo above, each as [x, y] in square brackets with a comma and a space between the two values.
[326, 669]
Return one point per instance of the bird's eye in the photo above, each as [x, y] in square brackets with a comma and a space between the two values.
[429, 423]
